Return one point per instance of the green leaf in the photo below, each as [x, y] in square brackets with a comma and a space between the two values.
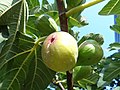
[116, 27]
[45, 25]
[14, 21]
[74, 34]
[42, 25]
[1, 45]
[44, 2]
[116, 55]
[50, 9]
[25, 70]
[96, 37]
[34, 6]
[112, 71]
[21, 66]
[114, 46]
[71, 3]
[5, 4]
[93, 78]
[15, 25]
[31, 28]
[33, 3]
[111, 8]
[118, 20]
[76, 21]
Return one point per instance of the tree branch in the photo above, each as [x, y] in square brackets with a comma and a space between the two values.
[69, 80]
[62, 16]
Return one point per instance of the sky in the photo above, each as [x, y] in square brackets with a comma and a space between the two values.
[98, 24]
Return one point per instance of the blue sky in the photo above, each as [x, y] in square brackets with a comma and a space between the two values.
[98, 24]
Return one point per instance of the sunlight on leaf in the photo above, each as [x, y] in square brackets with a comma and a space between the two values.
[5, 4]
[111, 8]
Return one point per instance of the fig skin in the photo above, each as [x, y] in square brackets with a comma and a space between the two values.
[90, 53]
[60, 51]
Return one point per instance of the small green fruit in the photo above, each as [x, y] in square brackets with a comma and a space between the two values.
[80, 72]
[90, 52]
[60, 51]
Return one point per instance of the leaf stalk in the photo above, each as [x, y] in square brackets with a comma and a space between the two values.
[82, 7]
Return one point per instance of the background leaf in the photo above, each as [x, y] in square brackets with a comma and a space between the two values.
[116, 27]
[112, 71]
[33, 3]
[111, 8]
[71, 4]
[114, 46]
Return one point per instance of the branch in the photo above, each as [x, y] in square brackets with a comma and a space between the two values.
[62, 16]
[82, 7]
[69, 80]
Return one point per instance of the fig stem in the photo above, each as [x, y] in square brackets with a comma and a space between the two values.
[82, 7]
[40, 40]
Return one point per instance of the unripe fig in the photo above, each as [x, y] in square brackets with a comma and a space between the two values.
[90, 52]
[80, 72]
[60, 51]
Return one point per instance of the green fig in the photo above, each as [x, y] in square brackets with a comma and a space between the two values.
[60, 51]
[90, 52]
[80, 72]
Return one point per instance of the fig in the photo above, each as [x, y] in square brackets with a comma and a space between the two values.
[80, 72]
[89, 53]
[60, 51]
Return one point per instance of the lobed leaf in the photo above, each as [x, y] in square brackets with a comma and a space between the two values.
[25, 70]
[21, 66]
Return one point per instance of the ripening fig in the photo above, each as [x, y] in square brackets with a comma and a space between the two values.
[90, 52]
[60, 51]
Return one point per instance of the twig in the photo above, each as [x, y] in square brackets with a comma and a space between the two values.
[59, 85]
